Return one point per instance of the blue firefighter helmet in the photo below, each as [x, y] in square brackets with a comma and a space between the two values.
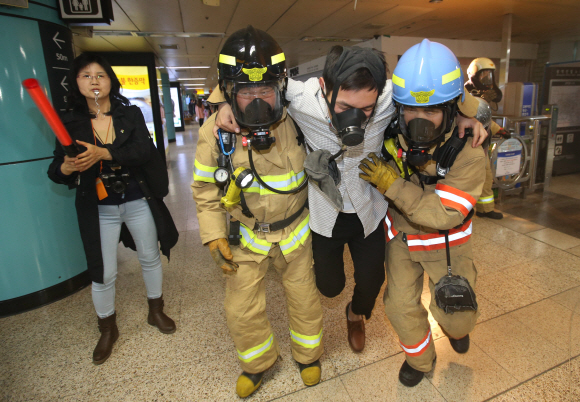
[427, 75]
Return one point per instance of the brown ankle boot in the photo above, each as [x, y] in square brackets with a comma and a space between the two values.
[158, 318]
[109, 335]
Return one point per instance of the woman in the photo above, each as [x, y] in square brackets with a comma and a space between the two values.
[120, 181]
[200, 112]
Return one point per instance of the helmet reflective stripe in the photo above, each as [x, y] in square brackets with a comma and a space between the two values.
[308, 341]
[225, 59]
[426, 67]
[257, 351]
[279, 58]
[398, 81]
[453, 75]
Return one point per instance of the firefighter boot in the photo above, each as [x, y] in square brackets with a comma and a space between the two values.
[310, 373]
[248, 383]
[460, 345]
[158, 318]
[109, 335]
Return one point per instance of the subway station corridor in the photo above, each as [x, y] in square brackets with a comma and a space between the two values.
[525, 347]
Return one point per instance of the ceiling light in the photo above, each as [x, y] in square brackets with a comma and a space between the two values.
[105, 32]
[328, 39]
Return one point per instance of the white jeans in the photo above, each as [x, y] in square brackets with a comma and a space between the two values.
[138, 218]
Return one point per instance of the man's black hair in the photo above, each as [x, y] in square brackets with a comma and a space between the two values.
[360, 79]
[77, 101]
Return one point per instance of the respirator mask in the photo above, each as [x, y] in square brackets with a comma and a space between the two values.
[257, 106]
[421, 134]
[484, 82]
[351, 124]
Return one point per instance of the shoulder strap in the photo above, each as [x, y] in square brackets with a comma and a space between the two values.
[445, 156]
[299, 133]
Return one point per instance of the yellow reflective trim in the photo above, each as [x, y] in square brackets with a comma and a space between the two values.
[226, 59]
[398, 81]
[294, 181]
[278, 58]
[202, 172]
[256, 351]
[297, 237]
[308, 341]
[485, 200]
[453, 75]
[250, 241]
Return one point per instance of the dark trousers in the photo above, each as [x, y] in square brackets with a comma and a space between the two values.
[368, 256]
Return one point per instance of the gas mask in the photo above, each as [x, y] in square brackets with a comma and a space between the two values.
[421, 134]
[257, 106]
[485, 87]
[351, 124]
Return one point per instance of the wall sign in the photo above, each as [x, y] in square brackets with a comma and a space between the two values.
[86, 12]
[57, 45]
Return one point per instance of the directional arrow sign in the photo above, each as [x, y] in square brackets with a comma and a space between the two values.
[64, 84]
[57, 40]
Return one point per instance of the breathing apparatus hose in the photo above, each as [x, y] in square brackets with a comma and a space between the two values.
[257, 176]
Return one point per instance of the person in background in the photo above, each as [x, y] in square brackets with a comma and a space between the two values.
[200, 112]
[120, 182]
[481, 84]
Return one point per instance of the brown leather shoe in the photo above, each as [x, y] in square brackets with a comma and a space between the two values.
[158, 318]
[109, 335]
[356, 333]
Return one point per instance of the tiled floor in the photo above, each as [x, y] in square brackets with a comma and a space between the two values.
[525, 347]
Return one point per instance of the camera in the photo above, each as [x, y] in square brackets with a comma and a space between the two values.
[116, 181]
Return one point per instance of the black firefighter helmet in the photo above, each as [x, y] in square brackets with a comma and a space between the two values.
[252, 76]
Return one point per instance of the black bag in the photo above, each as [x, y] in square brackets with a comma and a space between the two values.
[155, 172]
[454, 293]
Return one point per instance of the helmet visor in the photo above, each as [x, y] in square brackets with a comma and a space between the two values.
[256, 105]
[486, 77]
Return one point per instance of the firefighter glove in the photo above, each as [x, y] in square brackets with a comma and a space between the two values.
[378, 172]
[222, 255]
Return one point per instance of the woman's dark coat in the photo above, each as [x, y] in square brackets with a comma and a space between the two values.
[132, 148]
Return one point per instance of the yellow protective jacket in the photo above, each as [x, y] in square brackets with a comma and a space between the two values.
[421, 212]
[281, 167]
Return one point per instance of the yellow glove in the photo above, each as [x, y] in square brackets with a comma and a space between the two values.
[222, 255]
[378, 172]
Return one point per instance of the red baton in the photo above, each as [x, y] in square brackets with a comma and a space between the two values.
[35, 91]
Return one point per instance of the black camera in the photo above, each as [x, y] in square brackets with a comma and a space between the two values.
[116, 181]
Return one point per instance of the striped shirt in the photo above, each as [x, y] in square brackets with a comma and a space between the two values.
[308, 108]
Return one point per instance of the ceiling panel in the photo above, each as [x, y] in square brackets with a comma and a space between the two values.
[395, 15]
[347, 17]
[129, 44]
[261, 14]
[95, 44]
[203, 46]
[153, 15]
[303, 15]
[198, 17]
[122, 22]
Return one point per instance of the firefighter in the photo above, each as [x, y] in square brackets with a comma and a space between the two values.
[432, 182]
[481, 73]
[269, 219]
